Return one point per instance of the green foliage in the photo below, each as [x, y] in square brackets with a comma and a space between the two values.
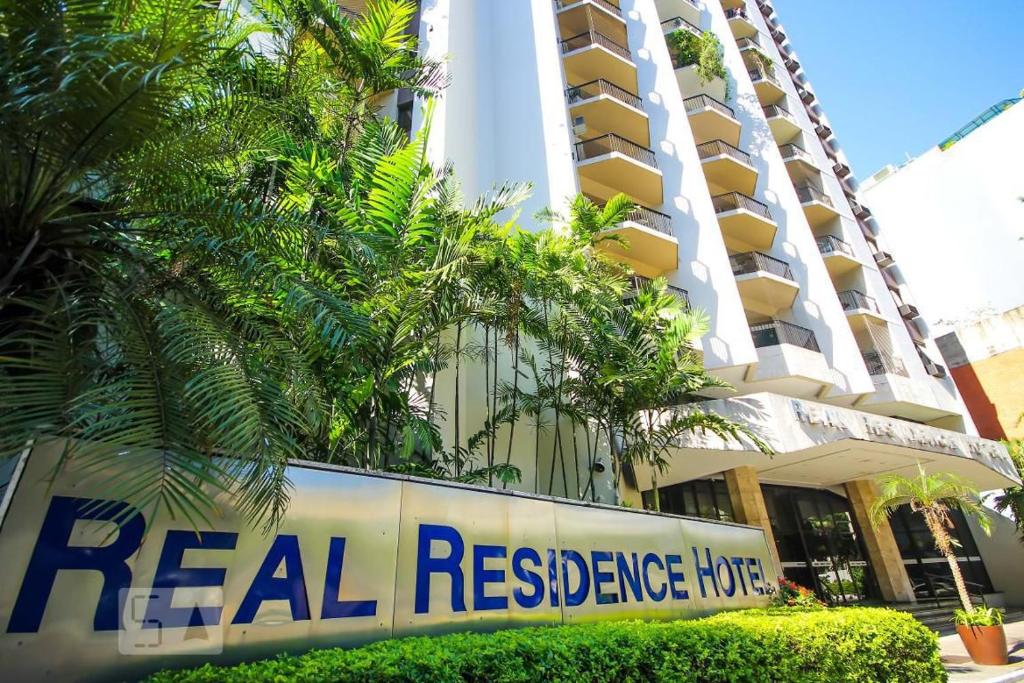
[705, 51]
[980, 616]
[854, 644]
[1012, 497]
[210, 245]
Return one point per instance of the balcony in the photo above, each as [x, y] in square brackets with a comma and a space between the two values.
[690, 83]
[823, 130]
[909, 311]
[782, 122]
[881, 363]
[712, 120]
[767, 85]
[593, 56]
[679, 24]
[608, 8]
[740, 23]
[650, 247]
[688, 10]
[796, 157]
[838, 255]
[748, 45]
[765, 283]
[607, 108]
[726, 168]
[610, 164]
[806, 96]
[931, 367]
[637, 281]
[883, 258]
[792, 64]
[746, 224]
[789, 360]
[817, 205]
[915, 333]
[860, 308]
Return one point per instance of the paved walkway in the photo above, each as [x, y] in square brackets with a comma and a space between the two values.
[962, 670]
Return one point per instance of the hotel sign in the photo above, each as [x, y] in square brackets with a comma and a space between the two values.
[358, 558]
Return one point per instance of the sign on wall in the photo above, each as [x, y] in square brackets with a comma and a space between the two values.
[359, 557]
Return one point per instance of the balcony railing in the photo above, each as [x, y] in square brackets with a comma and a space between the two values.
[638, 281]
[698, 102]
[881, 363]
[774, 110]
[594, 38]
[734, 201]
[853, 300]
[778, 332]
[791, 151]
[614, 9]
[717, 148]
[756, 262]
[809, 193]
[737, 13]
[649, 218]
[599, 87]
[680, 24]
[759, 73]
[748, 43]
[830, 244]
[610, 142]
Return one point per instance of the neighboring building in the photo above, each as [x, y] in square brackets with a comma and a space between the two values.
[986, 360]
[955, 218]
[747, 206]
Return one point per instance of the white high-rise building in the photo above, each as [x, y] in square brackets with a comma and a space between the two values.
[957, 218]
[747, 206]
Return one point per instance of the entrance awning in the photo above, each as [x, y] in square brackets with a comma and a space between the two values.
[823, 445]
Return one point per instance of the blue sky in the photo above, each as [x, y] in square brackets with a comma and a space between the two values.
[898, 77]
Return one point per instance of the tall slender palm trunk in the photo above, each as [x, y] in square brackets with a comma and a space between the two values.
[945, 546]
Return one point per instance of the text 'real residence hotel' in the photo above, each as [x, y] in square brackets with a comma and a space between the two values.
[748, 208]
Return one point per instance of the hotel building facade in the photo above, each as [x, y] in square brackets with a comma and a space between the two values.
[746, 205]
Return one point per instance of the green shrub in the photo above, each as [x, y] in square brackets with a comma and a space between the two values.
[785, 644]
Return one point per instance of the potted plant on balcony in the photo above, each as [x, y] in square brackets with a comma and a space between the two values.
[933, 496]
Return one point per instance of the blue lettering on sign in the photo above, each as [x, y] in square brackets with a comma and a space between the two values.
[170, 575]
[483, 576]
[332, 607]
[616, 576]
[450, 565]
[652, 559]
[705, 571]
[738, 563]
[575, 598]
[266, 586]
[53, 553]
[525, 575]
[627, 578]
[602, 577]
[730, 588]
[675, 577]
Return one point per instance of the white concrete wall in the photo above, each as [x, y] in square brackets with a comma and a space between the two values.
[954, 222]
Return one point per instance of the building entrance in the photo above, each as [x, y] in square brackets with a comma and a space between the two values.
[819, 543]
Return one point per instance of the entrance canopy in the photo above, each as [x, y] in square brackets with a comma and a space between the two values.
[823, 445]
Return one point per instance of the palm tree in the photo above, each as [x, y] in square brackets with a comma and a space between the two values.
[933, 496]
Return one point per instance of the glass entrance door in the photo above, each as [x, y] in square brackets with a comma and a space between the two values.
[818, 543]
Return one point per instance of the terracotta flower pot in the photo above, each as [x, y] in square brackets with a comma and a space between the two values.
[985, 644]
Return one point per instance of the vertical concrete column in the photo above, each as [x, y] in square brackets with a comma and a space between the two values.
[748, 505]
[883, 552]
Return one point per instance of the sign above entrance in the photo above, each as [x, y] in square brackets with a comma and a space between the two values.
[790, 425]
[359, 557]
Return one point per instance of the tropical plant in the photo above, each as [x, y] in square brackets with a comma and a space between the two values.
[1012, 497]
[933, 496]
[791, 594]
[981, 616]
[704, 50]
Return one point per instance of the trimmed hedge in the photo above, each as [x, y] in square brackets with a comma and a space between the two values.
[846, 644]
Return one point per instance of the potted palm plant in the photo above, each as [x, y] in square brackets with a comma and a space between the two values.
[933, 496]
